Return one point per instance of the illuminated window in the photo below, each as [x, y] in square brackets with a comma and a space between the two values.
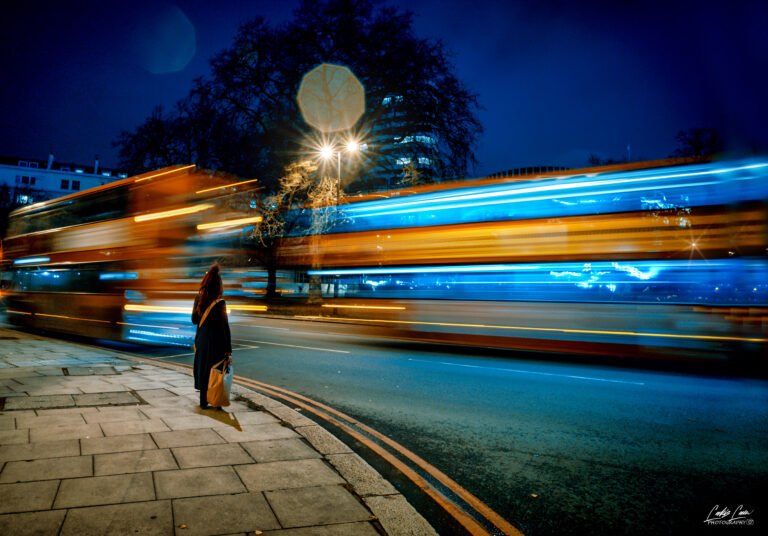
[403, 161]
[388, 100]
[424, 161]
[65, 184]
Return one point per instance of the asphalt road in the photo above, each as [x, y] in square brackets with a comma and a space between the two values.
[554, 447]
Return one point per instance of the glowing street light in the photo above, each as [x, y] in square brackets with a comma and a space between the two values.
[327, 152]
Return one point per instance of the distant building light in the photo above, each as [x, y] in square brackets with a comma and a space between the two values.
[106, 173]
[397, 99]
[78, 170]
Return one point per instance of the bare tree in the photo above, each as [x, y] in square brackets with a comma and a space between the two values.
[305, 204]
[244, 119]
[698, 143]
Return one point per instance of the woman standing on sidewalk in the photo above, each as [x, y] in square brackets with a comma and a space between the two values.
[213, 341]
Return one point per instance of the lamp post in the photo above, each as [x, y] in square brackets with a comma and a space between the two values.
[327, 152]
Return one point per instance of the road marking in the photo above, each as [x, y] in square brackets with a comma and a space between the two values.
[573, 377]
[243, 347]
[267, 327]
[352, 427]
[297, 346]
[175, 356]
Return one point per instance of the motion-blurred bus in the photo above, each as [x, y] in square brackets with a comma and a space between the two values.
[123, 261]
[663, 260]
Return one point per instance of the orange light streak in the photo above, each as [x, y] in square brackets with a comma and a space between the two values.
[228, 223]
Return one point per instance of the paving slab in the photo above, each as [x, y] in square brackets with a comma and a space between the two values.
[241, 513]
[101, 490]
[136, 461]
[53, 391]
[211, 455]
[123, 443]
[58, 433]
[14, 437]
[32, 523]
[106, 399]
[35, 402]
[134, 427]
[324, 505]
[46, 469]
[35, 451]
[153, 395]
[27, 496]
[50, 420]
[256, 432]
[253, 417]
[292, 474]
[197, 482]
[189, 422]
[119, 446]
[63, 411]
[146, 518]
[118, 414]
[280, 450]
[187, 438]
[101, 388]
[161, 413]
[7, 423]
[102, 370]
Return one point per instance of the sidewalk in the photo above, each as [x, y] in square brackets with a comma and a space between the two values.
[94, 442]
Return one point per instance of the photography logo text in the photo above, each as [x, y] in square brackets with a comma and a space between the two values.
[726, 515]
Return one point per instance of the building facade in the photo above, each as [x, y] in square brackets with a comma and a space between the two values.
[26, 181]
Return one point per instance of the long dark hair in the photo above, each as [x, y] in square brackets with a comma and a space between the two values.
[210, 287]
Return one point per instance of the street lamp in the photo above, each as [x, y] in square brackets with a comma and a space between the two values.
[328, 151]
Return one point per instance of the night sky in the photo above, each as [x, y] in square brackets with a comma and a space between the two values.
[557, 81]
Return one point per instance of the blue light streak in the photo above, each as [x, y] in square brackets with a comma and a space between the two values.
[643, 190]
[32, 260]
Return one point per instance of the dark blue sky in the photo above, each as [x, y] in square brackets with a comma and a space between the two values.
[557, 80]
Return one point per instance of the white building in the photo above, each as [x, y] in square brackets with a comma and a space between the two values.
[26, 181]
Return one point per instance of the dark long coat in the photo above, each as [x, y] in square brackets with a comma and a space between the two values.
[212, 342]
